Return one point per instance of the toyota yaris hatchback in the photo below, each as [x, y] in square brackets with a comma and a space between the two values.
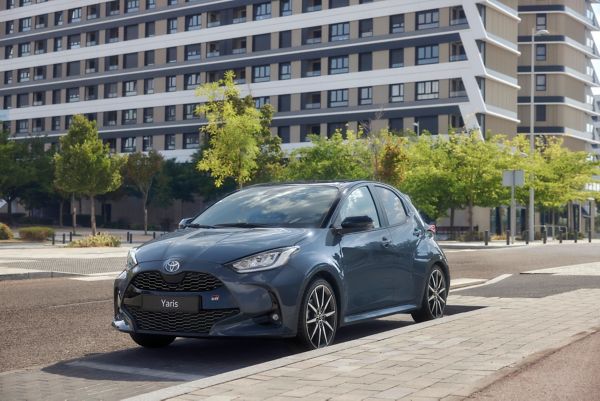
[285, 260]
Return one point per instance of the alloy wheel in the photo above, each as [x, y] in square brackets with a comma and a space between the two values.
[321, 315]
[436, 293]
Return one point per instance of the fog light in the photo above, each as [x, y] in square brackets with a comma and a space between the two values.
[275, 317]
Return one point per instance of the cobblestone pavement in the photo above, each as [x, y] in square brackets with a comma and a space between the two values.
[444, 359]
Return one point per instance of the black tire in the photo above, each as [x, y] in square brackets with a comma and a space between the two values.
[318, 315]
[435, 294]
[152, 340]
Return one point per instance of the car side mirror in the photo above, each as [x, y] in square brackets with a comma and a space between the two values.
[184, 222]
[357, 223]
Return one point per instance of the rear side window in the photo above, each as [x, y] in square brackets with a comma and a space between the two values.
[359, 203]
[392, 205]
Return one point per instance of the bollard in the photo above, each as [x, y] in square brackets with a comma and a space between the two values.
[131, 238]
[53, 239]
[507, 237]
[575, 235]
[560, 235]
[526, 236]
[64, 238]
[154, 235]
[590, 236]
[70, 236]
[486, 237]
[545, 236]
[127, 237]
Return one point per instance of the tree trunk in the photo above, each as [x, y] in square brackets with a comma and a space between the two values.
[145, 199]
[93, 214]
[73, 213]
[470, 216]
[451, 218]
[60, 212]
[9, 210]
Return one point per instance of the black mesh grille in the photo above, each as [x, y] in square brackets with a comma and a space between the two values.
[189, 281]
[178, 322]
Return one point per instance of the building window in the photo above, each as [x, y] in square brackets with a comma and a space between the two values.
[129, 116]
[170, 113]
[148, 86]
[457, 88]
[91, 92]
[365, 95]
[311, 100]
[365, 28]
[112, 35]
[74, 41]
[112, 7]
[311, 5]
[192, 52]
[171, 55]
[284, 103]
[23, 75]
[365, 61]
[396, 93]
[131, 32]
[40, 47]
[172, 25]
[171, 2]
[541, 22]
[41, 21]
[285, 71]
[112, 63]
[150, 29]
[338, 98]
[189, 111]
[285, 39]
[457, 16]
[8, 51]
[171, 83]
[146, 143]
[56, 96]
[148, 115]
[74, 15]
[396, 125]
[22, 126]
[24, 49]
[339, 32]
[92, 11]
[91, 39]
[25, 24]
[129, 88]
[262, 11]
[338, 65]
[396, 58]
[22, 100]
[540, 52]
[540, 82]
[261, 73]
[130, 60]
[58, 18]
[150, 4]
[397, 23]
[55, 123]
[128, 144]
[170, 142]
[261, 42]
[313, 68]
[110, 90]
[192, 22]
[239, 15]
[132, 5]
[9, 27]
[239, 76]
[72, 95]
[311, 35]
[284, 133]
[260, 101]
[428, 19]
[39, 98]
[285, 8]
[191, 81]
[428, 90]
[540, 112]
[91, 66]
[428, 54]
[457, 52]
[110, 118]
[149, 57]
[8, 78]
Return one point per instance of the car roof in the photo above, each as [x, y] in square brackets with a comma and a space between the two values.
[342, 184]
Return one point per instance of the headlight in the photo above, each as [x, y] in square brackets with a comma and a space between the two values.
[131, 260]
[264, 260]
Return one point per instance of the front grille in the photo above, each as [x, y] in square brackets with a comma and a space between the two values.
[178, 322]
[188, 281]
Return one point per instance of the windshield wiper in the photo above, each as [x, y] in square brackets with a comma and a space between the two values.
[241, 225]
[193, 225]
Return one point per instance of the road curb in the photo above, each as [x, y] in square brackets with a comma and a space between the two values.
[35, 275]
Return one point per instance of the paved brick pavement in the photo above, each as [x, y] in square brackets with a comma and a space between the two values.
[444, 359]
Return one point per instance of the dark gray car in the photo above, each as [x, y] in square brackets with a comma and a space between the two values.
[285, 260]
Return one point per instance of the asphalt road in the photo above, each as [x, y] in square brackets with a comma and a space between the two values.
[58, 330]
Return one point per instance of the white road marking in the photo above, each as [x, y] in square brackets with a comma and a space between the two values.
[159, 374]
[79, 303]
[491, 281]
[585, 269]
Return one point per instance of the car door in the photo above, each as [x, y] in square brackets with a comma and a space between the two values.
[404, 236]
[366, 259]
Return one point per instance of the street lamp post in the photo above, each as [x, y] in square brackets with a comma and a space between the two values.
[417, 125]
[531, 225]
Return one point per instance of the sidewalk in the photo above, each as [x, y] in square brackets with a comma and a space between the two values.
[502, 244]
[444, 359]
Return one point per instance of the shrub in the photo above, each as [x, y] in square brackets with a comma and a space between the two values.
[35, 233]
[99, 240]
[5, 232]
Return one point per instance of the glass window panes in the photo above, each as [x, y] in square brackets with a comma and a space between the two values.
[338, 98]
[396, 93]
[285, 71]
[365, 95]
[428, 19]
[338, 65]
[428, 54]
[261, 73]
[359, 203]
[427, 90]
[392, 206]
[339, 31]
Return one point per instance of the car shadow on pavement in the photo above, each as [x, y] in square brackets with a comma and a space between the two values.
[189, 359]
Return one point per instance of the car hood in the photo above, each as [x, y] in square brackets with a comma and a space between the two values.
[218, 245]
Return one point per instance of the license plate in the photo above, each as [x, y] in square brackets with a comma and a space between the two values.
[155, 303]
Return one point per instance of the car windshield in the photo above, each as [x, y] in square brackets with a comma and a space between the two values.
[271, 206]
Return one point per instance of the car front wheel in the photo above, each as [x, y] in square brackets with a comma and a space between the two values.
[152, 340]
[318, 315]
[434, 297]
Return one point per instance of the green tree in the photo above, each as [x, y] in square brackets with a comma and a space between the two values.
[330, 159]
[141, 171]
[237, 133]
[84, 164]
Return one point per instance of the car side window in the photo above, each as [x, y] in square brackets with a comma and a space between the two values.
[359, 203]
[392, 206]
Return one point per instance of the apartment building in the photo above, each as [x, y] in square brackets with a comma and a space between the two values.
[564, 76]
[132, 65]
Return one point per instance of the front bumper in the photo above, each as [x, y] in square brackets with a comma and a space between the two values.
[261, 304]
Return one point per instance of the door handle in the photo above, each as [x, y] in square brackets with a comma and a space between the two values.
[385, 241]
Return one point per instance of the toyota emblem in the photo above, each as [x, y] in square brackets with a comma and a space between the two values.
[171, 266]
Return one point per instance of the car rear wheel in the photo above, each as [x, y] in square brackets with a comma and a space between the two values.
[434, 297]
[152, 340]
[318, 315]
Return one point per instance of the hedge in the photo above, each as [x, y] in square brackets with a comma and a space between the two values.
[100, 240]
[35, 233]
[5, 232]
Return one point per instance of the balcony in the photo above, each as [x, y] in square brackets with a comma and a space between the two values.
[458, 57]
